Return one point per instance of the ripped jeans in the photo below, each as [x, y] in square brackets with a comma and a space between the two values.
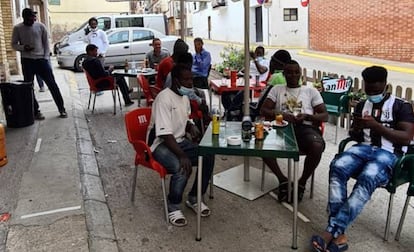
[372, 168]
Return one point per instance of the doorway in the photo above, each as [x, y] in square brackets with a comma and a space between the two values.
[259, 24]
[209, 26]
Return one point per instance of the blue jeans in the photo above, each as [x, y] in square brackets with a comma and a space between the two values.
[179, 179]
[372, 168]
[42, 67]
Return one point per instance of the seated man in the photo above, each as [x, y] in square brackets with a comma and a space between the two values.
[201, 65]
[276, 65]
[157, 54]
[232, 101]
[154, 57]
[95, 68]
[165, 66]
[286, 100]
[383, 128]
[177, 154]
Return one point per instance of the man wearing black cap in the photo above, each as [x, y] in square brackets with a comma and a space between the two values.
[30, 38]
[94, 67]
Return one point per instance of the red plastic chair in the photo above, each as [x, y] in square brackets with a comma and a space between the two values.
[150, 92]
[93, 89]
[136, 122]
[197, 114]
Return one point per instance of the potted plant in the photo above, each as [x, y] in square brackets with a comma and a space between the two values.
[233, 59]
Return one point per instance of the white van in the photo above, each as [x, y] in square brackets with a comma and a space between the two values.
[154, 21]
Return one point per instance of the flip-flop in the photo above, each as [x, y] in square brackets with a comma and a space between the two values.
[333, 247]
[205, 211]
[177, 218]
[318, 244]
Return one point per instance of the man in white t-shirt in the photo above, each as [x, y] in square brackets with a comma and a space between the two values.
[258, 64]
[170, 121]
[304, 107]
[97, 37]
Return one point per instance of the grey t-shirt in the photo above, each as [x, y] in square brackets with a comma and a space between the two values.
[156, 59]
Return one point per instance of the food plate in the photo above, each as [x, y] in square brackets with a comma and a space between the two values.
[283, 124]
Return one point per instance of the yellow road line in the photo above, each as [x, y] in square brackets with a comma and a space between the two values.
[357, 62]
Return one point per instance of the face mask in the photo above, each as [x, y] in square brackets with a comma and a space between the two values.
[375, 98]
[185, 91]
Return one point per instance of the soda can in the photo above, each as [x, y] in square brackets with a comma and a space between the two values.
[259, 130]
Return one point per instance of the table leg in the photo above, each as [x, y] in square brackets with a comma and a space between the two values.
[295, 205]
[246, 169]
[200, 172]
[289, 179]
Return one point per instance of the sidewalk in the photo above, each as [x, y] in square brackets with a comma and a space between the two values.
[60, 204]
[65, 207]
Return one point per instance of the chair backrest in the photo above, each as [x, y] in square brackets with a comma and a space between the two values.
[136, 123]
[335, 94]
[144, 84]
[103, 83]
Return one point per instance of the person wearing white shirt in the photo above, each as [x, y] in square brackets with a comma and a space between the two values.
[258, 64]
[98, 37]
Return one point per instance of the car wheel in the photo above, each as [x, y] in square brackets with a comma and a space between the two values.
[78, 62]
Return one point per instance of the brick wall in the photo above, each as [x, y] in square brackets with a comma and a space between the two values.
[7, 17]
[4, 66]
[371, 28]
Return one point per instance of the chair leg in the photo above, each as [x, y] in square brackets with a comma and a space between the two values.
[401, 223]
[211, 196]
[338, 120]
[89, 101]
[289, 179]
[119, 100]
[387, 223]
[114, 99]
[348, 121]
[134, 183]
[312, 184]
[263, 176]
[94, 100]
[164, 195]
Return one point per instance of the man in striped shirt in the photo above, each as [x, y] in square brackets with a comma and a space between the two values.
[383, 126]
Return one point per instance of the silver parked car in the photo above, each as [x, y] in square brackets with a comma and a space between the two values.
[124, 44]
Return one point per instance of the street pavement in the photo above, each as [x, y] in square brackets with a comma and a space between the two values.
[68, 181]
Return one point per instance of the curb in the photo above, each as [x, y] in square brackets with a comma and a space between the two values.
[98, 218]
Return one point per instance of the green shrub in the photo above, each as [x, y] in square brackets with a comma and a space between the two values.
[233, 59]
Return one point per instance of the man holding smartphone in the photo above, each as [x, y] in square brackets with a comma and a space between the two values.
[383, 126]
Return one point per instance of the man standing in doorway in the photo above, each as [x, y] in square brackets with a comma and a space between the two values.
[31, 39]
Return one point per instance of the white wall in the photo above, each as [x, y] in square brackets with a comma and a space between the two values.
[227, 24]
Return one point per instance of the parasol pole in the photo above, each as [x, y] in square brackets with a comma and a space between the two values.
[246, 97]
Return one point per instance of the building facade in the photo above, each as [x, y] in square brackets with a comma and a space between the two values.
[370, 28]
[276, 23]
